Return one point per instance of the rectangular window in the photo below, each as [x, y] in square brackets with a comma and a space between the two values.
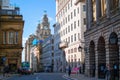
[9, 12]
[68, 28]
[78, 23]
[84, 8]
[74, 37]
[10, 37]
[74, 12]
[68, 39]
[84, 20]
[71, 52]
[78, 36]
[78, 10]
[71, 38]
[71, 15]
[16, 37]
[66, 20]
[71, 3]
[74, 24]
[68, 6]
[68, 17]
[71, 27]
[4, 38]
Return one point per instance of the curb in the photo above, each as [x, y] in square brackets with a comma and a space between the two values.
[69, 78]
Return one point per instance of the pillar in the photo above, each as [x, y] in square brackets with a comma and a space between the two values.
[108, 8]
[96, 62]
[90, 13]
[98, 10]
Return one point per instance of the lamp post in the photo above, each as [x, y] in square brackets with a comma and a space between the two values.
[81, 49]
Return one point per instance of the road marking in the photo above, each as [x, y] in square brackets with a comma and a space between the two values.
[68, 78]
[37, 78]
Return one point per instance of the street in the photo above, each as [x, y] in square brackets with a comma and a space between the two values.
[39, 76]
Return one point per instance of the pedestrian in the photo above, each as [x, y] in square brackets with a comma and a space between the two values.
[69, 70]
[80, 69]
[107, 72]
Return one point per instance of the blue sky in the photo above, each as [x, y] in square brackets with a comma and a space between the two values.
[33, 11]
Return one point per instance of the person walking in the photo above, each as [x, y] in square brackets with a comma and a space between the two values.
[69, 70]
[107, 72]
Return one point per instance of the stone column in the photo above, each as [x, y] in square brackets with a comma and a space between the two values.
[108, 8]
[87, 14]
[96, 62]
[119, 51]
[98, 10]
[90, 13]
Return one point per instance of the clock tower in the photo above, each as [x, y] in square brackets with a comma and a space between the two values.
[43, 29]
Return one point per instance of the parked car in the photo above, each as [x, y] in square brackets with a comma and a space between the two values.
[26, 71]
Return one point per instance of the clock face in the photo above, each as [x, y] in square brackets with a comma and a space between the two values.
[45, 27]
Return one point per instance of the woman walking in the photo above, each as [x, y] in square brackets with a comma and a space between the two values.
[69, 70]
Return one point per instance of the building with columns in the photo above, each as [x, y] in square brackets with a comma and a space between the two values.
[102, 38]
[11, 31]
[69, 28]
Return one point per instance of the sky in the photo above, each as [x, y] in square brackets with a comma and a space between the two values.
[33, 11]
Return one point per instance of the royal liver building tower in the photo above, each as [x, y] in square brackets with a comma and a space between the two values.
[43, 29]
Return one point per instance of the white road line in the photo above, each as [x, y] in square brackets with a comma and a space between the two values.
[37, 78]
[68, 78]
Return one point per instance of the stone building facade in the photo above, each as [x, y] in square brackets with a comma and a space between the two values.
[47, 55]
[11, 31]
[102, 38]
[70, 17]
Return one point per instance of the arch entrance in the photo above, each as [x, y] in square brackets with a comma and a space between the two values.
[101, 57]
[92, 58]
[114, 56]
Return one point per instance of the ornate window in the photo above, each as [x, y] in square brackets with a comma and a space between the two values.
[10, 37]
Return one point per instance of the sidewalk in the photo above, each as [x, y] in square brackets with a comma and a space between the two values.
[80, 77]
[4, 78]
[1, 77]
